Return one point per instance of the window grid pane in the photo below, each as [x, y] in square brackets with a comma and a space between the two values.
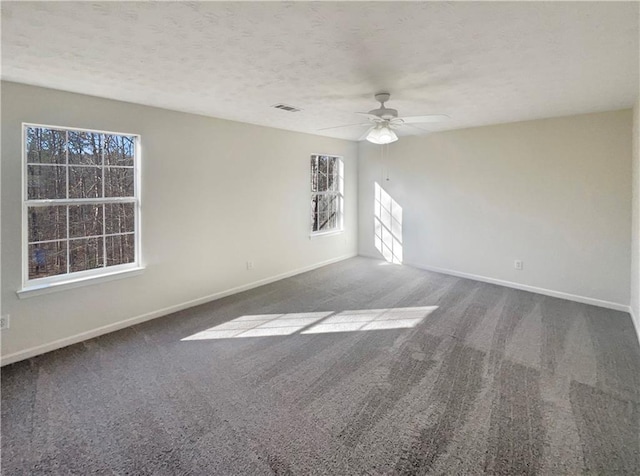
[47, 259]
[45, 146]
[85, 182]
[85, 220]
[85, 148]
[119, 181]
[46, 182]
[120, 249]
[47, 223]
[119, 218]
[85, 254]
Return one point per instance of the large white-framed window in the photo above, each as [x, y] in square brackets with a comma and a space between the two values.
[81, 206]
[327, 194]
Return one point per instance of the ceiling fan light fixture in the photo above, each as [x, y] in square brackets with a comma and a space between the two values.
[382, 121]
[382, 135]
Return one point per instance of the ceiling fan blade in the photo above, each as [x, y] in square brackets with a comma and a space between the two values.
[425, 119]
[412, 130]
[346, 125]
[370, 116]
[366, 133]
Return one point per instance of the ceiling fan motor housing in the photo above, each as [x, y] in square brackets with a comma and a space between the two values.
[383, 112]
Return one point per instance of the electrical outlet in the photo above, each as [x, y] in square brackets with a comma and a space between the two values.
[517, 264]
[4, 322]
[249, 264]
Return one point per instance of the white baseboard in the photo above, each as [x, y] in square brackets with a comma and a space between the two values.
[636, 323]
[524, 287]
[57, 344]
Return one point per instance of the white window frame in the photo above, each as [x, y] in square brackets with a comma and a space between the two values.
[339, 193]
[78, 278]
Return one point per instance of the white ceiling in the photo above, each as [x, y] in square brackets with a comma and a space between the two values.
[480, 63]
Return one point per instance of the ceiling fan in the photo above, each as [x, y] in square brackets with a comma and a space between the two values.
[382, 122]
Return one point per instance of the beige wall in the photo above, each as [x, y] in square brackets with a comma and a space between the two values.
[635, 238]
[554, 193]
[215, 194]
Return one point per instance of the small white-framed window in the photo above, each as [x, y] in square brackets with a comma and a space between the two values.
[327, 193]
[80, 207]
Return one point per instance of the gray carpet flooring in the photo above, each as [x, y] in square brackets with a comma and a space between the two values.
[355, 368]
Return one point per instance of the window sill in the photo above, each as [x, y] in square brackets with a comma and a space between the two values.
[40, 289]
[313, 236]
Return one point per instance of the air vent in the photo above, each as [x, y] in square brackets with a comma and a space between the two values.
[286, 107]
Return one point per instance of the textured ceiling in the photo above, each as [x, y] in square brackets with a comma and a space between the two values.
[480, 63]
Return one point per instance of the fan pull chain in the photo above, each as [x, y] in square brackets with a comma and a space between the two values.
[384, 167]
[387, 157]
[381, 163]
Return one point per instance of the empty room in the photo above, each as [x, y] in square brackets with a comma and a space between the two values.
[337, 238]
